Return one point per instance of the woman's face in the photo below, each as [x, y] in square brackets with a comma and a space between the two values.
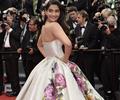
[52, 13]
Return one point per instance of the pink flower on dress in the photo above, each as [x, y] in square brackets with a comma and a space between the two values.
[60, 80]
[72, 66]
[49, 92]
[82, 84]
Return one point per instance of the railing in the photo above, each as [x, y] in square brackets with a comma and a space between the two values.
[98, 50]
[80, 50]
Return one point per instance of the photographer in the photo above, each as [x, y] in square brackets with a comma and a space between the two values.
[30, 53]
[11, 43]
[109, 68]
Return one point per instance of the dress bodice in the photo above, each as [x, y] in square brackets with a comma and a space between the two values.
[53, 48]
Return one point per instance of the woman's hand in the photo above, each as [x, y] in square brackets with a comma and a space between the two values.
[64, 60]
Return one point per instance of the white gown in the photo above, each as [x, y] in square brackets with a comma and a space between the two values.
[52, 79]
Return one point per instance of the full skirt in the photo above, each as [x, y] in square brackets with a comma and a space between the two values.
[53, 79]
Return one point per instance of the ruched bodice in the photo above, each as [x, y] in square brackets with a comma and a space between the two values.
[53, 48]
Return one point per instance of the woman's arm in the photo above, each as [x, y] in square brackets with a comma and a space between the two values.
[60, 35]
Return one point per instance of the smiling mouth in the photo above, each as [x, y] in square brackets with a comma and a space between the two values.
[54, 17]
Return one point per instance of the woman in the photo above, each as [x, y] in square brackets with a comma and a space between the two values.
[56, 78]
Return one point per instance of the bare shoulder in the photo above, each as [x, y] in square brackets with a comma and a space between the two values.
[54, 25]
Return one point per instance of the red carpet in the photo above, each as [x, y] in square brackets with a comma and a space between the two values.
[4, 97]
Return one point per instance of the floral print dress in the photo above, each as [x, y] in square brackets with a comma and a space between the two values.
[52, 79]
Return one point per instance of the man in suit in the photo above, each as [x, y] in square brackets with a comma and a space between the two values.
[72, 16]
[72, 21]
[85, 38]
[11, 43]
[109, 60]
[31, 55]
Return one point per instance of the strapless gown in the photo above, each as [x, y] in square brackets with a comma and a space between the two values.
[53, 79]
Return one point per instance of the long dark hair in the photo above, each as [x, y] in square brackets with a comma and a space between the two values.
[61, 19]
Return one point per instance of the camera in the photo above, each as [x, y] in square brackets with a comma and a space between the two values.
[98, 18]
[24, 18]
[27, 49]
[79, 40]
[104, 26]
[3, 25]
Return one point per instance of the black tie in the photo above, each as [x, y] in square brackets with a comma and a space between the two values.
[82, 27]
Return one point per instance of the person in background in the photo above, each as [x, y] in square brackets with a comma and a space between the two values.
[85, 38]
[72, 17]
[30, 53]
[109, 60]
[11, 44]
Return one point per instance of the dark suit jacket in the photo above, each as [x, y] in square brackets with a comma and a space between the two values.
[26, 44]
[1, 39]
[112, 40]
[70, 23]
[14, 40]
[90, 35]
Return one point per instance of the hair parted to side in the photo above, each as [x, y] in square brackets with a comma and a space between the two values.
[72, 8]
[61, 7]
[84, 14]
[61, 19]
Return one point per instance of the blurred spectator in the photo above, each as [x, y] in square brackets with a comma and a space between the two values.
[109, 68]
[31, 55]
[71, 20]
[85, 38]
[11, 43]
[72, 17]
[5, 5]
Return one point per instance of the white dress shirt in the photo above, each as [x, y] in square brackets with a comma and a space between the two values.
[7, 38]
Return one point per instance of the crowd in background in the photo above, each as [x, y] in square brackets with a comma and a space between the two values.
[93, 25]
